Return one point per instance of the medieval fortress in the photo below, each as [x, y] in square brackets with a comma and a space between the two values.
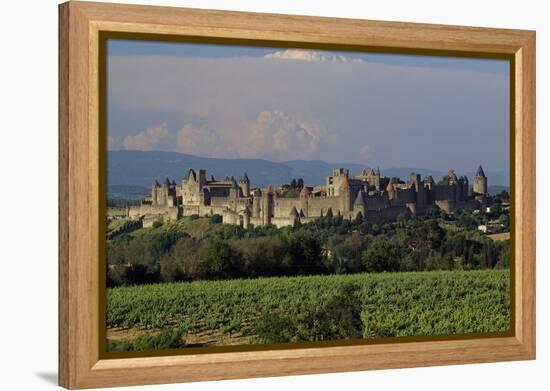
[368, 196]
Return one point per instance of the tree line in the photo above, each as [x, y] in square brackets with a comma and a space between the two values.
[328, 245]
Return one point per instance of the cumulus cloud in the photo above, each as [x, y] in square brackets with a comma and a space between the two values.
[200, 140]
[148, 139]
[276, 135]
[293, 104]
[273, 135]
[310, 55]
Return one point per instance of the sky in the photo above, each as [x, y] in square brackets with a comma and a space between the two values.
[280, 104]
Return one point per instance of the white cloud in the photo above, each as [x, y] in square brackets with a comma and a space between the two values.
[309, 55]
[280, 110]
[276, 135]
[271, 135]
[148, 139]
[200, 141]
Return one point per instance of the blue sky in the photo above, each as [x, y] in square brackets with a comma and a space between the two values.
[383, 110]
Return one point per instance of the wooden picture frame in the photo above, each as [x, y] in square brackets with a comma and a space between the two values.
[80, 169]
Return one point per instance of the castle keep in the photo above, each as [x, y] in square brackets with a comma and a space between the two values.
[368, 196]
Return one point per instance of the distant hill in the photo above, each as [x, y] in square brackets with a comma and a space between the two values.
[493, 190]
[140, 168]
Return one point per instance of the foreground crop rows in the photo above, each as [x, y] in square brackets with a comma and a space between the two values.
[390, 304]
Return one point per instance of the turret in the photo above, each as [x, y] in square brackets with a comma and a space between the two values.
[304, 200]
[246, 217]
[429, 182]
[360, 206]
[244, 182]
[345, 195]
[234, 189]
[154, 192]
[256, 203]
[191, 176]
[391, 191]
[267, 205]
[480, 182]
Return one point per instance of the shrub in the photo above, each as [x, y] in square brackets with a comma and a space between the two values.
[157, 223]
[338, 318]
[216, 219]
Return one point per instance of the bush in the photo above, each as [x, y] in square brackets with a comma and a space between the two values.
[168, 339]
[338, 318]
[216, 219]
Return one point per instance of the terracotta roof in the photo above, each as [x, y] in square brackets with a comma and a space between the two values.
[345, 183]
[270, 190]
[363, 172]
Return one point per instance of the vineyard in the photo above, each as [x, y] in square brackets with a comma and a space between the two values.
[290, 309]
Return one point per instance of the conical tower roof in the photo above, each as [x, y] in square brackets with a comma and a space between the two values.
[363, 172]
[245, 178]
[360, 199]
[479, 171]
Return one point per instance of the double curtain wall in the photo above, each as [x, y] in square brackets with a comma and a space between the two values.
[84, 29]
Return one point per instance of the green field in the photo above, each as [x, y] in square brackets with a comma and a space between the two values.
[312, 308]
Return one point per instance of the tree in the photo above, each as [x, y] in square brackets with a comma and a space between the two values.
[444, 180]
[382, 255]
[222, 261]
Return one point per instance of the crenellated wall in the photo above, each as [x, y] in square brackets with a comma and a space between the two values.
[239, 204]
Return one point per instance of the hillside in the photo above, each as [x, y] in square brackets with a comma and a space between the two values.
[140, 168]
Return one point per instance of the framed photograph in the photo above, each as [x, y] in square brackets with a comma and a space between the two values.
[247, 195]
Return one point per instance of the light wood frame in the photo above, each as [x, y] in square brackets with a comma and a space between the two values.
[80, 23]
